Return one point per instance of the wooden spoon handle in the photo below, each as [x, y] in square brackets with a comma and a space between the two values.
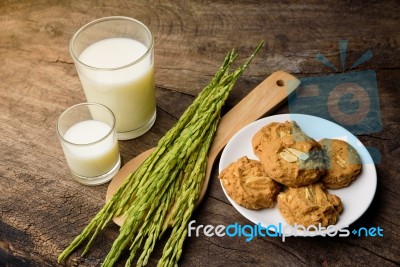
[262, 100]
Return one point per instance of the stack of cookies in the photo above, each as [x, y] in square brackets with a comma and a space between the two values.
[293, 170]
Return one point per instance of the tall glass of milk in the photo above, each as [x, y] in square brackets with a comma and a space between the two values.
[89, 141]
[114, 57]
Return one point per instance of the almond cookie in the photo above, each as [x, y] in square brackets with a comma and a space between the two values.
[272, 131]
[246, 182]
[342, 162]
[294, 160]
[309, 205]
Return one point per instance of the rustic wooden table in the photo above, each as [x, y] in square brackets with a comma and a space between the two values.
[42, 208]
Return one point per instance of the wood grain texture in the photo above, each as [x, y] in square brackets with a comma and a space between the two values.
[42, 209]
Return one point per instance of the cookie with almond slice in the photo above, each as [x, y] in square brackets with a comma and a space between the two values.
[270, 132]
[246, 182]
[343, 164]
[293, 160]
[309, 205]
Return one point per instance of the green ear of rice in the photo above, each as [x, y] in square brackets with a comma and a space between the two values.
[163, 190]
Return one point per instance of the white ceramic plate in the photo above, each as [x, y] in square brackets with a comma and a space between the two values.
[356, 198]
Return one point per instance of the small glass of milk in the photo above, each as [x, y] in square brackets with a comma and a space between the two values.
[89, 140]
[114, 58]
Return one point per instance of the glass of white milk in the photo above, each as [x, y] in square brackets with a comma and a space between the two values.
[89, 141]
[114, 57]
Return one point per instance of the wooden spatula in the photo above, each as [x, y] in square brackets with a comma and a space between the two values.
[262, 100]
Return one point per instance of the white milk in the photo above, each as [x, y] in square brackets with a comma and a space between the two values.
[95, 156]
[128, 92]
